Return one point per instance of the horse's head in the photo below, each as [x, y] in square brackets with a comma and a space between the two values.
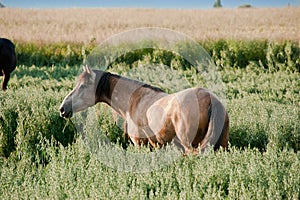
[82, 96]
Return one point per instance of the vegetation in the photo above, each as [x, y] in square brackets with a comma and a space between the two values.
[245, 6]
[43, 156]
[257, 53]
[217, 4]
[226, 53]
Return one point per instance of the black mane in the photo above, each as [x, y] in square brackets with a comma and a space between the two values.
[103, 85]
[102, 81]
[144, 85]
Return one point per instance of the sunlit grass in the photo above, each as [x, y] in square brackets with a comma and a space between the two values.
[42, 156]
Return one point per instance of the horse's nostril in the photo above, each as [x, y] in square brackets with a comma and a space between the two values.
[61, 109]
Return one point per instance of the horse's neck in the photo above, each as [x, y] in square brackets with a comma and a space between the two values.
[120, 92]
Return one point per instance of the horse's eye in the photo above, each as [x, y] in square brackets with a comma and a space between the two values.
[82, 86]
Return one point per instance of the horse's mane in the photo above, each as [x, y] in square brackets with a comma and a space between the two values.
[102, 82]
[103, 78]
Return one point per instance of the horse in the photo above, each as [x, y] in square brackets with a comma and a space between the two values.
[192, 118]
[8, 60]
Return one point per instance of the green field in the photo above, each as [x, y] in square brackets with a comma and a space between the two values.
[42, 156]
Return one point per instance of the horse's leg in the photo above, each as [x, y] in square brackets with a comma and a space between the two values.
[116, 118]
[124, 128]
[139, 141]
[6, 77]
[178, 143]
[182, 137]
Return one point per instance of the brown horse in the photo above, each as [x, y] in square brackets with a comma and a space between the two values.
[8, 60]
[193, 118]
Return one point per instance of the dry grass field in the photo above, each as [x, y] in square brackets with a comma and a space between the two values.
[82, 25]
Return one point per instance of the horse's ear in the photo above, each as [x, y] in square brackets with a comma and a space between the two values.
[86, 69]
[89, 71]
[93, 74]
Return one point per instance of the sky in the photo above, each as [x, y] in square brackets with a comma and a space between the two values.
[180, 4]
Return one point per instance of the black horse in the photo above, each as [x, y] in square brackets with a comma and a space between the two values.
[8, 60]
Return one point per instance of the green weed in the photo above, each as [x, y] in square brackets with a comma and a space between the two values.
[43, 156]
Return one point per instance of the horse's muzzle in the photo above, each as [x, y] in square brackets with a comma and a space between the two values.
[65, 113]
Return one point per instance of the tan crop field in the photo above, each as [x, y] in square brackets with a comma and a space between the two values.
[83, 25]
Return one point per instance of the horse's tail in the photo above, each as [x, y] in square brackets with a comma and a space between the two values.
[218, 127]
